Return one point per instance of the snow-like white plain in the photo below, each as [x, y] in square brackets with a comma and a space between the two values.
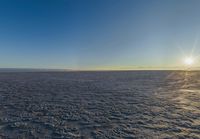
[100, 105]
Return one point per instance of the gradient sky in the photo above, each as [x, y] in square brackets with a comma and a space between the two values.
[97, 34]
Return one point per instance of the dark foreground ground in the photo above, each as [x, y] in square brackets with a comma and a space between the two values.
[100, 105]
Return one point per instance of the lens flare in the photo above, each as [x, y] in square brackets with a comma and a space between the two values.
[189, 61]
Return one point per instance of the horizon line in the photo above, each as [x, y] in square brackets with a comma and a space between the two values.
[114, 69]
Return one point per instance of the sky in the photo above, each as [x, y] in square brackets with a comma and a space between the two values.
[98, 34]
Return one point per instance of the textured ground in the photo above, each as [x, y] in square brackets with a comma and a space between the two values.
[99, 105]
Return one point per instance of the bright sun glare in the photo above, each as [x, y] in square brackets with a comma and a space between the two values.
[189, 61]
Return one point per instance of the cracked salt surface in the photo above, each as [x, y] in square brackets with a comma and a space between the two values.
[99, 105]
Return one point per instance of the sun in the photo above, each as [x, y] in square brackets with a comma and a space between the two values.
[189, 61]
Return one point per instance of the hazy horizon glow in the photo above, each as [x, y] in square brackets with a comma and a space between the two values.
[100, 34]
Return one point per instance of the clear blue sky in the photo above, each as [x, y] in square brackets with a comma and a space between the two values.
[97, 34]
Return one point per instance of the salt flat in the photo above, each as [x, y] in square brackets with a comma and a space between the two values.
[99, 105]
